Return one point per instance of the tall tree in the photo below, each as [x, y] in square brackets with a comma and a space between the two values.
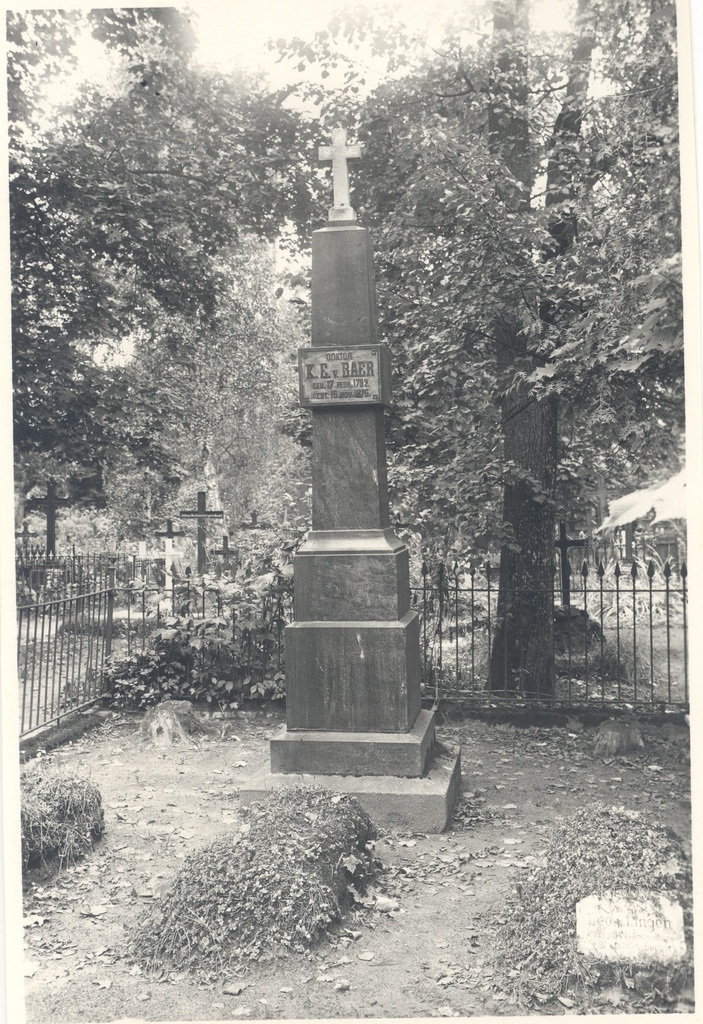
[120, 204]
[522, 649]
[523, 191]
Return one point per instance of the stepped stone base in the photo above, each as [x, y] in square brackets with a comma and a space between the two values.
[351, 575]
[354, 753]
[353, 676]
[403, 804]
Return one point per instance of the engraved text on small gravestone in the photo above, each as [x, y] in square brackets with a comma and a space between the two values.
[620, 928]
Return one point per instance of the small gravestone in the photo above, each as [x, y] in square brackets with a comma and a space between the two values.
[609, 903]
[622, 929]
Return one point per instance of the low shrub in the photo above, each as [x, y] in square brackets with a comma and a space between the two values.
[602, 661]
[61, 816]
[197, 659]
[223, 658]
[598, 850]
[289, 871]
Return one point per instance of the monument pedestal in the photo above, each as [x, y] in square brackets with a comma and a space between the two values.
[403, 754]
[421, 804]
[353, 676]
[354, 722]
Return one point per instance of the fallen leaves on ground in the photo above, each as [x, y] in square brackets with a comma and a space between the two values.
[542, 772]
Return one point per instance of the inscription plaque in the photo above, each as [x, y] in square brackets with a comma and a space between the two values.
[354, 375]
[620, 928]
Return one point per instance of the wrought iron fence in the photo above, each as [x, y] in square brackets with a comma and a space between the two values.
[67, 647]
[622, 639]
[252, 620]
[62, 646]
[41, 577]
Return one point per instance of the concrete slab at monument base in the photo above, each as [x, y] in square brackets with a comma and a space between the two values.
[354, 753]
[413, 805]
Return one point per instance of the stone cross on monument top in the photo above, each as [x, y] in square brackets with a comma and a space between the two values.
[337, 154]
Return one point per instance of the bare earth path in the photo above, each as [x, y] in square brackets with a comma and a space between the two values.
[433, 956]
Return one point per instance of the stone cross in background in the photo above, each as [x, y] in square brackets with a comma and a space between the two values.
[50, 503]
[169, 535]
[202, 513]
[354, 720]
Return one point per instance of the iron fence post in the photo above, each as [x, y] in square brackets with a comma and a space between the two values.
[601, 574]
[440, 664]
[425, 678]
[110, 607]
[650, 576]
[584, 575]
[456, 623]
[667, 577]
[633, 575]
[684, 600]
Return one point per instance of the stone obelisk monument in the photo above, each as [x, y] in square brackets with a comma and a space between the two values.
[354, 721]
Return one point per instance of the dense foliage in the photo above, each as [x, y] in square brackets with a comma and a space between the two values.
[230, 652]
[134, 276]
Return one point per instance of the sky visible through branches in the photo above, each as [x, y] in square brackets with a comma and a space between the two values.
[232, 35]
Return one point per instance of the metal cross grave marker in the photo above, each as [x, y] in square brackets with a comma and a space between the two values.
[202, 513]
[255, 524]
[337, 154]
[169, 533]
[50, 503]
[25, 535]
[562, 545]
[225, 552]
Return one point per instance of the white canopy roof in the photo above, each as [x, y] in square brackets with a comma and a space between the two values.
[667, 501]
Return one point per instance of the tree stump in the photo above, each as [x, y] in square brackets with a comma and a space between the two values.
[617, 736]
[174, 721]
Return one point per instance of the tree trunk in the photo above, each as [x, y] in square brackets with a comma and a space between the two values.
[522, 656]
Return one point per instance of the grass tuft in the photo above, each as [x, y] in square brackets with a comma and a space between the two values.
[598, 850]
[291, 869]
[61, 816]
